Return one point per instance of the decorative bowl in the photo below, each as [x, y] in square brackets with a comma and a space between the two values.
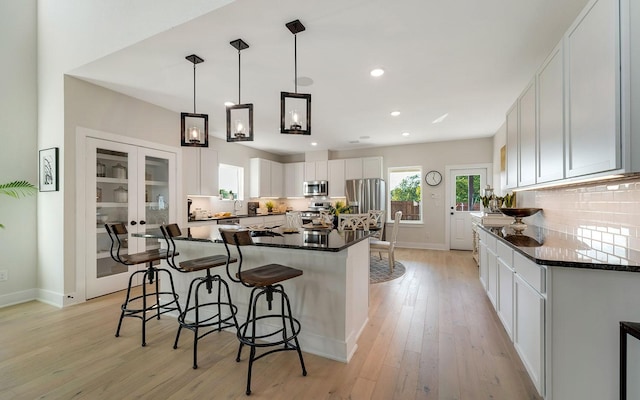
[519, 212]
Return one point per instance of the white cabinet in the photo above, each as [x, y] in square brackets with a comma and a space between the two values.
[504, 306]
[512, 147]
[293, 179]
[483, 261]
[274, 220]
[315, 171]
[277, 179]
[366, 167]
[266, 179]
[336, 169]
[550, 157]
[128, 184]
[372, 167]
[527, 136]
[593, 90]
[492, 271]
[528, 337]
[200, 171]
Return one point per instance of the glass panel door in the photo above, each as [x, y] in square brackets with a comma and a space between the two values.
[465, 198]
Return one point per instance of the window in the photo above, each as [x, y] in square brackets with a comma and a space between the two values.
[405, 193]
[468, 193]
[231, 181]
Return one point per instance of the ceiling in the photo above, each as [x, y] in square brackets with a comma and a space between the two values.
[468, 58]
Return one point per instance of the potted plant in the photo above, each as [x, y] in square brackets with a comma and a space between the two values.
[269, 204]
[16, 189]
[340, 207]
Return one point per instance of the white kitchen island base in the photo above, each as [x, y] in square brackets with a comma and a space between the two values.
[330, 299]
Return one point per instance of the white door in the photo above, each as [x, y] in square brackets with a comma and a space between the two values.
[128, 184]
[465, 191]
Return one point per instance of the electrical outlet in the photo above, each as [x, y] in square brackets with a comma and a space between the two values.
[4, 275]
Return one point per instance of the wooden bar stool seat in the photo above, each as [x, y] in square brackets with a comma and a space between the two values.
[202, 317]
[276, 329]
[138, 306]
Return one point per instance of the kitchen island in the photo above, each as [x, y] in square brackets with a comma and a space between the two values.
[561, 297]
[330, 299]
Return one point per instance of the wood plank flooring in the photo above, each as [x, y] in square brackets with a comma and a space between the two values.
[432, 334]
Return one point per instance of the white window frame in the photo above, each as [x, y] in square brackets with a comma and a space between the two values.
[392, 170]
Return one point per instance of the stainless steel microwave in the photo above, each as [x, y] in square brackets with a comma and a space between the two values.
[315, 188]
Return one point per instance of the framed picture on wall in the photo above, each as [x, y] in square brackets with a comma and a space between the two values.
[48, 170]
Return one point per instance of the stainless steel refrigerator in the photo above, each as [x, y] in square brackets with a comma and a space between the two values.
[366, 194]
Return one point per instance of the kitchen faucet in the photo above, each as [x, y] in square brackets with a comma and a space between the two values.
[237, 205]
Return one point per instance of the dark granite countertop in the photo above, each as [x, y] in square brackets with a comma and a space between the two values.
[305, 239]
[589, 250]
[234, 216]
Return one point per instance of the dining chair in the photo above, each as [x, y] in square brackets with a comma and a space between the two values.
[380, 246]
[376, 220]
[294, 219]
[353, 222]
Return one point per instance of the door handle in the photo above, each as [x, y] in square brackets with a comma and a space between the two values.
[142, 222]
[133, 222]
[451, 213]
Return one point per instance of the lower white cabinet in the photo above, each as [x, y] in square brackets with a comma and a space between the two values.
[529, 322]
[504, 308]
[516, 286]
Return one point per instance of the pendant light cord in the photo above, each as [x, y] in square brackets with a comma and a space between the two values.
[194, 88]
[295, 61]
[239, 78]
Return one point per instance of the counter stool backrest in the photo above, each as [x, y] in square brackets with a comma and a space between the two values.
[237, 238]
[115, 231]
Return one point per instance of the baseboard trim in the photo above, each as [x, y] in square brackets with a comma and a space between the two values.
[22, 296]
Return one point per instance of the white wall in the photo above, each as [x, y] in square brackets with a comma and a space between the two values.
[18, 155]
[72, 33]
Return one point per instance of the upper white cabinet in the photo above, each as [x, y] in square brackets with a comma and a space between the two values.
[336, 169]
[266, 179]
[512, 147]
[550, 156]
[593, 90]
[527, 136]
[200, 171]
[366, 167]
[293, 179]
[573, 124]
[372, 167]
[316, 171]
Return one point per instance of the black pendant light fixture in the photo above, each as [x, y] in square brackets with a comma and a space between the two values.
[239, 116]
[195, 127]
[295, 108]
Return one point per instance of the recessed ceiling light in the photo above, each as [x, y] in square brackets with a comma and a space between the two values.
[377, 72]
[229, 103]
[395, 113]
[314, 143]
[440, 118]
[405, 134]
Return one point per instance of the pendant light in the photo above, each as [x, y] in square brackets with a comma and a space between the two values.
[195, 127]
[295, 108]
[239, 116]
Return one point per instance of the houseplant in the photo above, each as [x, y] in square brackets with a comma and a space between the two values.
[16, 189]
[269, 204]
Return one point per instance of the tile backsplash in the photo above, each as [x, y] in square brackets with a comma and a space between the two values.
[607, 215]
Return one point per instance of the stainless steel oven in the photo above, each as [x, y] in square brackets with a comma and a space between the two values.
[315, 188]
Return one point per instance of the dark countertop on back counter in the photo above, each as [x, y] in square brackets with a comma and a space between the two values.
[305, 239]
[234, 216]
[591, 250]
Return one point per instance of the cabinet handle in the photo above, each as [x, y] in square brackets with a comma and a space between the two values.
[142, 222]
[133, 223]
[451, 213]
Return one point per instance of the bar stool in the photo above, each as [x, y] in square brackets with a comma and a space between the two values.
[191, 316]
[131, 307]
[264, 281]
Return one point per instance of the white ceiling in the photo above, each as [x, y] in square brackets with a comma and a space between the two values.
[467, 58]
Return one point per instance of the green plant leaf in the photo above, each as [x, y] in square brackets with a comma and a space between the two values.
[16, 189]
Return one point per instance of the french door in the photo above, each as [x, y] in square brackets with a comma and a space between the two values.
[128, 184]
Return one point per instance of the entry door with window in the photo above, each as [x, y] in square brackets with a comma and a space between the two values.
[465, 195]
[128, 184]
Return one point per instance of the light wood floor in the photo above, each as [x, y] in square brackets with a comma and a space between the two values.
[432, 334]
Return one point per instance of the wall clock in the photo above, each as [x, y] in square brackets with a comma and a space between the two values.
[433, 178]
